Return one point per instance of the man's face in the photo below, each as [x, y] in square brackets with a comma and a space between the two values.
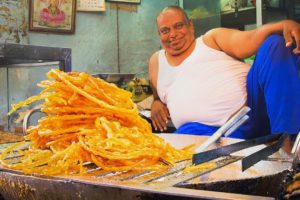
[176, 34]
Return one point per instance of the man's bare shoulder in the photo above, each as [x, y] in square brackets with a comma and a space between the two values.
[209, 38]
[154, 55]
[153, 61]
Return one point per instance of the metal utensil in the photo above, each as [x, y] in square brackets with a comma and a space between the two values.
[231, 125]
[263, 153]
[248, 161]
[26, 118]
[296, 152]
[296, 145]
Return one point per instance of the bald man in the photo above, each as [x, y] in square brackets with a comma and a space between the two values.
[199, 83]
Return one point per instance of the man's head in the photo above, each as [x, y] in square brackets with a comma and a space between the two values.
[175, 29]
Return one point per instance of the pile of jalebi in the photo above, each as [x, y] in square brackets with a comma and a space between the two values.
[88, 121]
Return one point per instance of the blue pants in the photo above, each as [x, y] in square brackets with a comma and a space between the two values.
[273, 89]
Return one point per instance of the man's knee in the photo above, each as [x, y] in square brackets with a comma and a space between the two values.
[274, 64]
[273, 53]
[273, 42]
[275, 38]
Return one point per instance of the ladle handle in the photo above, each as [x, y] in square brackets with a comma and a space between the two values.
[27, 117]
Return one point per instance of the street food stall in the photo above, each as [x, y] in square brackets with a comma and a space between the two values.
[91, 137]
[69, 156]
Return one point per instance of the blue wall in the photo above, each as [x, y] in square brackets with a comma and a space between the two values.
[116, 40]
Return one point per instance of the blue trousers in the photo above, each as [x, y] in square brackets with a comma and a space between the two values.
[273, 89]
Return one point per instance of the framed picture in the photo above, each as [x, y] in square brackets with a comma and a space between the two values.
[90, 5]
[52, 15]
[126, 1]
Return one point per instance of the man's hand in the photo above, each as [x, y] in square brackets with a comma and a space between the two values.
[159, 115]
[291, 33]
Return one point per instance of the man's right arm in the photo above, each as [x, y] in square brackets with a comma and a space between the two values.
[242, 44]
[159, 111]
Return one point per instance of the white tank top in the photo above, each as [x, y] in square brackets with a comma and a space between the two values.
[207, 87]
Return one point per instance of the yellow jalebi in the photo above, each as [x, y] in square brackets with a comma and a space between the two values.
[88, 120]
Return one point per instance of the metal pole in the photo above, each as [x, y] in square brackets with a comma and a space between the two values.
[258, 13]
[181, 3]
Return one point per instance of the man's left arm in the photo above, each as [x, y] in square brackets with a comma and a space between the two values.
[242, 44]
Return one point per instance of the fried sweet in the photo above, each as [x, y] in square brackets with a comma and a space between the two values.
[87, 120]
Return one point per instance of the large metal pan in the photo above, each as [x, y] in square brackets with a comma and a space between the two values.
[104, 185]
